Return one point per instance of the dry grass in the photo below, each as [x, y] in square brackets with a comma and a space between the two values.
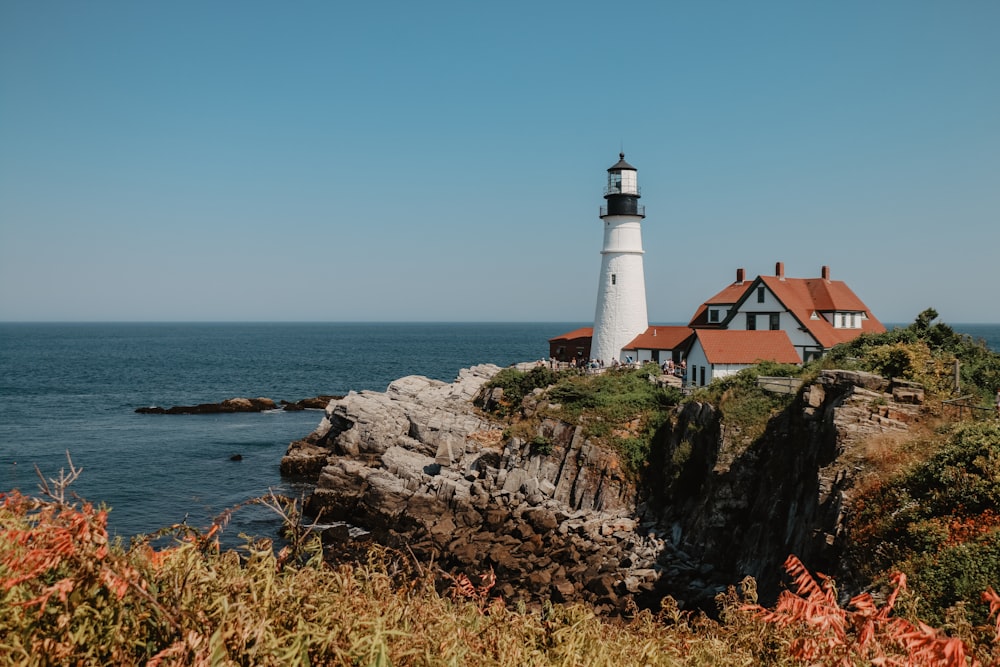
[70, 597]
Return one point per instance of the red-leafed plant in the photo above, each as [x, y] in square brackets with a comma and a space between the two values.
[462, 588]
[862, 632]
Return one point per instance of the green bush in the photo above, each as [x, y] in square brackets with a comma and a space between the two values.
[939, 523]
[925, 352]
[541, 446]
[620, 407]
[517, 384]
[742, 403]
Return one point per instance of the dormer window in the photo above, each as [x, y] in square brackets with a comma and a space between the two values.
[847, 320]
[713, 315]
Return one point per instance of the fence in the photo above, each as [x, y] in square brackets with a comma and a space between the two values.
[779, 385]
[962, 404]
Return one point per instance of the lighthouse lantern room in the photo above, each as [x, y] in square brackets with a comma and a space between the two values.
[621, 294]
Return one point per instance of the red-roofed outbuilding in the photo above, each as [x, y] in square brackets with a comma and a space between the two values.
[716, 353]
[572, 346]
[660, 343]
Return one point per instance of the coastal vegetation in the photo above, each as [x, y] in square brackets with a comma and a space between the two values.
[926, 502]
[922, 536]
[619, 407]
[71, 596]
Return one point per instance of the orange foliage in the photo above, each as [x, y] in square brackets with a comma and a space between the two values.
[968, 528]
[862, 631]
[54, 535]
[463, 588]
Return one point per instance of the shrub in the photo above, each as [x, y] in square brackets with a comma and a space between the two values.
[743, 404]
[938, 522]
[71, 597]
[862, 632]
[924, 352]
[541, 446]
[517, 384]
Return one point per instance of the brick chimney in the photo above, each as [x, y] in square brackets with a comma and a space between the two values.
[741, 276]
[779, 270]
[826, 273]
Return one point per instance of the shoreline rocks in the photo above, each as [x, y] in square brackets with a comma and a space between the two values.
[421, 469]
[231, 405]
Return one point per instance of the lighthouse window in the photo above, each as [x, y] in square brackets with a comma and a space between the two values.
[614, 279]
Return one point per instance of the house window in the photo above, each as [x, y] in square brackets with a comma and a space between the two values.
[702, 376]
[760, 294]
[775, 321]
[713, 315]
[614, 279]
[751, 321]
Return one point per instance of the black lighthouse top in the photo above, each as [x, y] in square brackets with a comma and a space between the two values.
[622, 191]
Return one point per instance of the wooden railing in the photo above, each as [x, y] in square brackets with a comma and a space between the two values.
[963, 404]
[779, 385]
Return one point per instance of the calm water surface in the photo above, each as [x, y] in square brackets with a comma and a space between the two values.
[75, 387]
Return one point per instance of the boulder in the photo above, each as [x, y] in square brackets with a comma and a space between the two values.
[315, 403]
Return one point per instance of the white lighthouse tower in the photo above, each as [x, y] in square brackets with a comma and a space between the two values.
[621, 293]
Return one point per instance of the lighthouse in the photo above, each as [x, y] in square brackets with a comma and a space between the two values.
[621, 292]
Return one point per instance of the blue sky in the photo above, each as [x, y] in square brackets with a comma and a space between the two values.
[386, 161]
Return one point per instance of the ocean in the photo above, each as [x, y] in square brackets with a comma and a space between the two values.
[75, 387]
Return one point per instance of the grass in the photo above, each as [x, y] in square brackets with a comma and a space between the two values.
[620, 408]
[70, 597]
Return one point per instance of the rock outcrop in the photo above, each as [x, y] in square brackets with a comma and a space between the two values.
[556, 516]
[315, 403]
[420, 468]
[241, 405]
[743, 507]
[226, 406]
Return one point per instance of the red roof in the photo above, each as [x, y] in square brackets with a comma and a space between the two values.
[726, 297]
[737, 346]
[659, 337]
[805, 296]
[582, 332]
[802, 297]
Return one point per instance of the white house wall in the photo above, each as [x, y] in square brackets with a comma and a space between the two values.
[696, 359]
[786, 322]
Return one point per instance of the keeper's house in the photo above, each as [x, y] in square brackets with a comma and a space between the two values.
[800, 319]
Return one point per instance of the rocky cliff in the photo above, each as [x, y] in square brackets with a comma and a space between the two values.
[556, 516]
[744, 506]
